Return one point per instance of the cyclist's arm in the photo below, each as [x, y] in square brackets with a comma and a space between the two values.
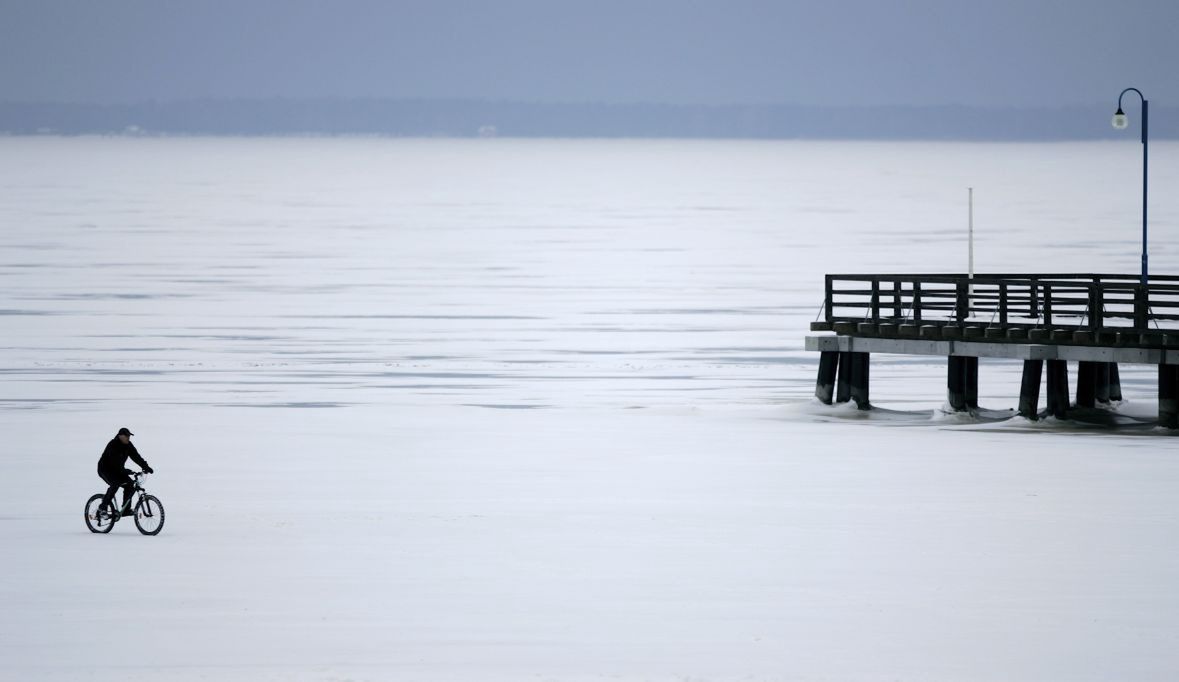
[138, 459]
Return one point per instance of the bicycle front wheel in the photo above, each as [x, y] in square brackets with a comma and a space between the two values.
[149, 515]
[98, 519]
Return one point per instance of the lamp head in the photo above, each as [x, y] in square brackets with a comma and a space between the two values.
[1119, 119]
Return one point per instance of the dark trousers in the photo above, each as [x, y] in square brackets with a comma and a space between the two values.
[116, 479]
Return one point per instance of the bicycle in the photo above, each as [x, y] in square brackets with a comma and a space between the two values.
[147, 510]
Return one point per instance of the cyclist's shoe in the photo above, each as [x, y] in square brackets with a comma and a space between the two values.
[125, 512]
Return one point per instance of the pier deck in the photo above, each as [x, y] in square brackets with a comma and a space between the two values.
[1098, 321]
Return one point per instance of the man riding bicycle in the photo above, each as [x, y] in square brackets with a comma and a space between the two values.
[110, 469]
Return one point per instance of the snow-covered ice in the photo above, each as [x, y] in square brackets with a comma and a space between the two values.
[539, 410]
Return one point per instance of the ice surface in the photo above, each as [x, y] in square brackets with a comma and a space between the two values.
[539, 410]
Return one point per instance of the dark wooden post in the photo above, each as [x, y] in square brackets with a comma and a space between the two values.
[1034, 296]
[1096, 307]
[897, 310]
[1002, 304]
[970, 383]
[962, 383]
[1103, 371]
[859, 380]
[1141, 306]
[955, 383]
[843, 380]
[1058, 388]
[962, 301]
[1115, 383]
[1169, 396]
[825, 384]
[875, 301]
[917, 302]
[1029, 390]
[1086, 383]
[829, 291]
[1048, 305]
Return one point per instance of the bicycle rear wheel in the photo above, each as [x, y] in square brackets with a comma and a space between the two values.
[149, 515]
[98, 518]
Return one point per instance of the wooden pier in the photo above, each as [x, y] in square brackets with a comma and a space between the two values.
[1045, 320]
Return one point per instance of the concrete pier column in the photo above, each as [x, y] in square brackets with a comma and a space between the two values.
[859, 380]
[1058, 388]
[1087, 383]
[1115, 383]
[1169, 396]
[843, 379]
[1029, 390]
[825, 383]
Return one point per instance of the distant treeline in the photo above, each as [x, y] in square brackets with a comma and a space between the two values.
[470, 118]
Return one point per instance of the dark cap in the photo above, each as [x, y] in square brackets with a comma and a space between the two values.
[125, 432]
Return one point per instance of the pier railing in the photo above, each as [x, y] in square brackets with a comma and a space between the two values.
[1006, 306]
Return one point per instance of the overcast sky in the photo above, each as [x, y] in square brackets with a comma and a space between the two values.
[851, 52]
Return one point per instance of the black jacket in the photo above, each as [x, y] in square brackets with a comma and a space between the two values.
[114, 457]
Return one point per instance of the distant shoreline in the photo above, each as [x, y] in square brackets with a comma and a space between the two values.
[8, 135]
[482, 118]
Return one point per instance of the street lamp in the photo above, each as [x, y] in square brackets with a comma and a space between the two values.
[1120, 122]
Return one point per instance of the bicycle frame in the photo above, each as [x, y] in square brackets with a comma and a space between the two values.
[136, 497]
[140, 491]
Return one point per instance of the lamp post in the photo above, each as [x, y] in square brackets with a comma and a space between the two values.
[1120, 122]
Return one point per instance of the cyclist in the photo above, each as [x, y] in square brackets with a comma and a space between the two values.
[110, 468]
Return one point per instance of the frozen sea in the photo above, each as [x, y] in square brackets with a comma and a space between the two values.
[539, 410]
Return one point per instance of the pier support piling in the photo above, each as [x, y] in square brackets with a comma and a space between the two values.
[1103, 372]
[859, 380]
[1087, 383]
[1115, 383]
[825, 384]
[844, 373]
[843, 379]
[1058, 388]
[962, 383]
[1169, 396]
[1097, 382]
[971, 383]
[1029, 390]
[955, 378]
